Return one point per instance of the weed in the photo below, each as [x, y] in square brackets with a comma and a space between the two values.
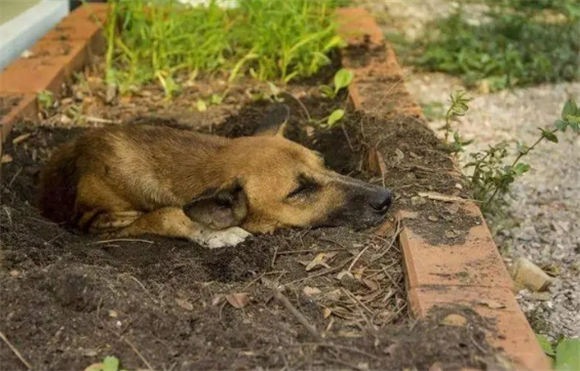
[457, 108]
[334, 117]
[564, 353]
[269, 40]
[109, 364]
[45, 100]
[492, 178]
[342, 79]
[519, 45]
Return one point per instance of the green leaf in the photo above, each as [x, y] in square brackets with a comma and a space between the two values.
[335, 116]
[561, 125]
[111, 364]
[568, 355]
[216, 99]
[342, 79]
[546, 345]
[327, 91]
[273, 89]
[549, 135]
[522, 148]
[201, 106]
[570, 109]
[521, 168]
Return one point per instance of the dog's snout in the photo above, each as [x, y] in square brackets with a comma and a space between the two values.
[381, 200]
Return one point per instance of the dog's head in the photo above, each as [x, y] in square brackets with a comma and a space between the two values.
[275, 183]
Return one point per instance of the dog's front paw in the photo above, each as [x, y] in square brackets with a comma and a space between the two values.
[226, 237]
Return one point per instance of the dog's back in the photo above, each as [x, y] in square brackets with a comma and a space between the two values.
[58, 185]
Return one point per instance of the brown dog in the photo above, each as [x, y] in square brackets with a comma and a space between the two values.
[137, 179]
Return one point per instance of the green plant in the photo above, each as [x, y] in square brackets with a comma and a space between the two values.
[492, 178]
[457, 108]
[519, 45]
[109, 364]
[45, 100]
[269, 40]
[334, 117]
[564, 353]
[342, 79]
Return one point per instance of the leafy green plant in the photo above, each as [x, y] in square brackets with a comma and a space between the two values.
[334, 117]
[109, 364]
[330, 120]
[45, 100]
[457, 108]
[269, 40]
[342, 79]
[492, 178]
[565, 353]
[519, 45]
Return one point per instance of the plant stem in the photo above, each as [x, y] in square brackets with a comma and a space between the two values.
[518, 158]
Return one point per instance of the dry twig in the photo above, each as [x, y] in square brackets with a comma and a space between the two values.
[15, 351]
[296, 313]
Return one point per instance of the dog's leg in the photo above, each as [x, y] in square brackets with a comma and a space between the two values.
[113, 220]
[172, 222]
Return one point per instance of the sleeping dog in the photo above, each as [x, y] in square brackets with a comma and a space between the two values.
[123, 181]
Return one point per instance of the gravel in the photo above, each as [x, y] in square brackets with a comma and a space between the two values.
[545, 203]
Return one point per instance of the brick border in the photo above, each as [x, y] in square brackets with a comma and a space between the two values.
[65, 49]
[51, 66]
[428, 267]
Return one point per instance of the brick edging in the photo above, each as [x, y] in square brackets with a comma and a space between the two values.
[429, 267]
[62, 51]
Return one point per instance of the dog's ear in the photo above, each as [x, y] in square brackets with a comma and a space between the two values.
[219, 208]
[274, 123]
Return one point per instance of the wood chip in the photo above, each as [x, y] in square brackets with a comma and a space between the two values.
[183, 303]
[21, 138]
[311, 291]
[238, 300]
[454, 320]
[441, 197]
[320, 260]
[6, 159]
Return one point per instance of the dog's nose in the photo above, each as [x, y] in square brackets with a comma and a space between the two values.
[381, 201]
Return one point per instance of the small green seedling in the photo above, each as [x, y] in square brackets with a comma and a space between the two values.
[45, 100]
[342, 79]
[334, 117]
[201, 105]
[565, 354]
[110, 363]
[216, 99]
[330, 120]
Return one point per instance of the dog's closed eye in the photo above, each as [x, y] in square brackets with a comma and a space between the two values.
[305, 186]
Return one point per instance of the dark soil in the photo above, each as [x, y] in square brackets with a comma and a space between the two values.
[69, 300]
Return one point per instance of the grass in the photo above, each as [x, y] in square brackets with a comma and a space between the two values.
[269, 40]
[523, 43]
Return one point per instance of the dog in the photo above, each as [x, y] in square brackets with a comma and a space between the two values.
[129, 180]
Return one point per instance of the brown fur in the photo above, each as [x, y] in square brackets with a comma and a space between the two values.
[135, 179]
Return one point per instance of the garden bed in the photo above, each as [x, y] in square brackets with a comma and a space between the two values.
[170, 304]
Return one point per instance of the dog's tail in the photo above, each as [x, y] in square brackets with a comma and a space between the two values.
[58, 181]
